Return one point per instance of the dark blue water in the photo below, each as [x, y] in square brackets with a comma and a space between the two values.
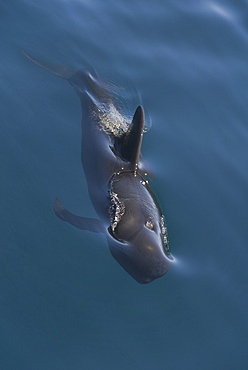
[65, 302]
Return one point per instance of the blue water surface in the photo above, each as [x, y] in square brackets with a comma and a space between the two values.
[65, 303]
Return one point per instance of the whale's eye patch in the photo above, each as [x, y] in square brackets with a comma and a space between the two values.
[149, 225]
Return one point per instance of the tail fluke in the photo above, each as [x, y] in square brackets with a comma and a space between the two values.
[57, 70]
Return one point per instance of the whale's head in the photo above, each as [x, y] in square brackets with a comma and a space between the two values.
[138, 236]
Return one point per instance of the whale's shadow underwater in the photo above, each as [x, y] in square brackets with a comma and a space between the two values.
[118, 182]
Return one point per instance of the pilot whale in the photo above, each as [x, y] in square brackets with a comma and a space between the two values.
[118, 179]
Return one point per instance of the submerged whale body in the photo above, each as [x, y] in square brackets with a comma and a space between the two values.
[118, 182]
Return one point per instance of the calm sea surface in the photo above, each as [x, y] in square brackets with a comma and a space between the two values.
[65, 304]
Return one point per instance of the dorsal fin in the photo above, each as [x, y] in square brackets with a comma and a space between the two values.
[55, 69]
[131, 141]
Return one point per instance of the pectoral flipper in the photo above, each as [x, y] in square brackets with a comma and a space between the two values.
[83, 223]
